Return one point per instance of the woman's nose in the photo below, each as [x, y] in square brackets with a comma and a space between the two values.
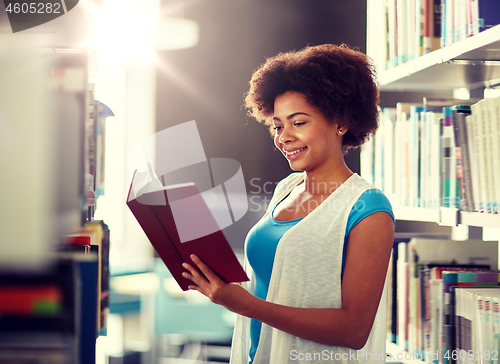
[286, 135]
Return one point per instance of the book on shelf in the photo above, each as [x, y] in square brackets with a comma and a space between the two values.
[88, 308]
[441, 153]
[485, 15]
[452, 327]
[475, 334]
[399, 250]
[418, 319]
[432, 25]
[392, 34]
[102, 112]
[94, 238]
[463, 171]
[399, 31]
[495, 312]
[91, 241]
[102, 241]
[392, 317]
[377, 34]
[43, 313]
[485, 129]
[178, 223]
[450, 186]
[87, 301]
[495, 151]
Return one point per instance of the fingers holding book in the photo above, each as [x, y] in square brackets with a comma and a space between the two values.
[230, 295]
[204, 279]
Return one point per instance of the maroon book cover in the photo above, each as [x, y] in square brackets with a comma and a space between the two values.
[178, 223]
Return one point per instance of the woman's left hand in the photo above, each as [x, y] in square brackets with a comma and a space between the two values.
[230, 295]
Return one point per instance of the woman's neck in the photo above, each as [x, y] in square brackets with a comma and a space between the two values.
[325, 183]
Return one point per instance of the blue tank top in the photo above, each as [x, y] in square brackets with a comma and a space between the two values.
[262, 241]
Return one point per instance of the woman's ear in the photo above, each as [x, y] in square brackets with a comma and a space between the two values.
[341, 129]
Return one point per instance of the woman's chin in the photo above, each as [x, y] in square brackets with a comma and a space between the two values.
[295, 167]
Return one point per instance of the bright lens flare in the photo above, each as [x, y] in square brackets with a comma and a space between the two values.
[123, 29]
[132, 30]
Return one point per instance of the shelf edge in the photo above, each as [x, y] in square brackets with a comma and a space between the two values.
[388, 77]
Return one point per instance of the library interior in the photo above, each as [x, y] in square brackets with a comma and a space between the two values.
[109, 102]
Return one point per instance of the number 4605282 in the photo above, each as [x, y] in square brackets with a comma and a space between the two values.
[33, 8]
[471, 355]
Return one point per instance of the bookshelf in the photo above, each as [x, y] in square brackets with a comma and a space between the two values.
[472, 63]
[60, 136]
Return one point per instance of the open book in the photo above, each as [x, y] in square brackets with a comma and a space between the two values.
[178, 223]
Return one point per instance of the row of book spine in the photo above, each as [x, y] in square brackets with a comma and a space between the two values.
[425, 316]
[436, 155]
[71, 299]
[401, 30]
[477, 324]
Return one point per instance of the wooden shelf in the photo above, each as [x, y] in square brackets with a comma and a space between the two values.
[470, 63]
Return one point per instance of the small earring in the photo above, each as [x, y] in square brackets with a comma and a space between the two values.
[340, 132]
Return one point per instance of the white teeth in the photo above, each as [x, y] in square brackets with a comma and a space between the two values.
[296, 151]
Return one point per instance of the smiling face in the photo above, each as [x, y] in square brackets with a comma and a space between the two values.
[308, 141]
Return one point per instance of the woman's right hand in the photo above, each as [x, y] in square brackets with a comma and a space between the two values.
[230, 295]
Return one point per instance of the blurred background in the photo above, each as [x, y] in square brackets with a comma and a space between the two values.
[207, 83]
[76, 95]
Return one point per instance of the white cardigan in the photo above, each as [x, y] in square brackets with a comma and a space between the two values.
[308, 259]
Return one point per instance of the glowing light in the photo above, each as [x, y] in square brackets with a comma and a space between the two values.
[175, 33]
[133, 30]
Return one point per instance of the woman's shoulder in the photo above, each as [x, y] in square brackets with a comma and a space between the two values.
[371, 201]
[359, 183]
[375, 197]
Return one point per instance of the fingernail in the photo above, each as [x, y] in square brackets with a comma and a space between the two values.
[193, 257]
[184, 265]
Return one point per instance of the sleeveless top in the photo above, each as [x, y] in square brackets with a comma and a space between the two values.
[306, 288]
[263, 238]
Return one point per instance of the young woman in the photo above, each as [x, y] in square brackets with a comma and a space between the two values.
[321, 251]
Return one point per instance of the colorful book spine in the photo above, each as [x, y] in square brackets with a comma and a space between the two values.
[450, 26]
[464, 178]
[486, 331]
[443, 23]
[485, 120]
[473, 161]
[450, 280]
[432, 155]
[496, 323]
[414, 157]
[486, 14]
[495, 150]
[487, 279]
[478, 127]
[450, 186]
[400, 30]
